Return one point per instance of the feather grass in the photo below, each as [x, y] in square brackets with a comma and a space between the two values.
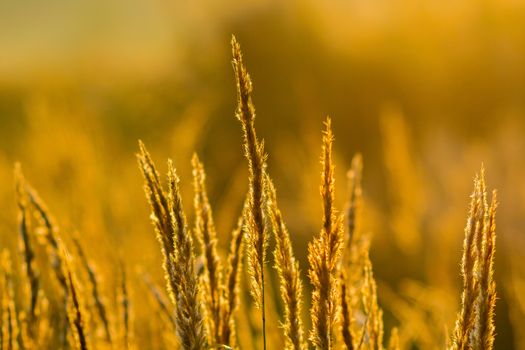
[188, 314]
[474, 327]
[324, 255]
[207, 237]
[289, 276]
[170, 225]
[230, 299]
[256, 234]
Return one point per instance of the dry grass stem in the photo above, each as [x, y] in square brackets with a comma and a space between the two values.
[170, 225]
[205, 233]
[289, 276]
[76, 313]
[188, 314]
[230, 299]
[27, 250]
[324, 255]
[124, 303]
[254, 151]
[475, 323]
[94, 284]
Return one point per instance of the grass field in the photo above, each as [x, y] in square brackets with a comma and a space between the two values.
[371, 228]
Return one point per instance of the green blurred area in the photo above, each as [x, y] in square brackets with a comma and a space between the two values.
[426, 91]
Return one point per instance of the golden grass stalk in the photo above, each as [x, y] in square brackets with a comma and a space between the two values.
[475, 325]
[374, 314]
[324, 255]
[205, 233]
[160, 214]
[465, 320]
[230, 299]
[124, 303]
[355, 197]
[27, 251]
[254, 151]
[188, 314]
[76, 314]
[51, 236]
[346, 315]
[10, 329]
[353, 251]
[95, 293]
[170, 225]
[486, 301]
[289, 276]
[54, 252]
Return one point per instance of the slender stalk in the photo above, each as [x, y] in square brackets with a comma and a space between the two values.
[95, 293]
[324, 255]
[254, 151]
[289, 276]
[231, 293]
[207, 237]
[27, 250]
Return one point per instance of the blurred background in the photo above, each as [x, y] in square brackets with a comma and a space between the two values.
[425, 91]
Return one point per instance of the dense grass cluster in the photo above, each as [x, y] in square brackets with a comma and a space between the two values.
[63, 306]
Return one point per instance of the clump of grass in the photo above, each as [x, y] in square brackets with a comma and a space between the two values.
[345, 312]
[179, 260]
